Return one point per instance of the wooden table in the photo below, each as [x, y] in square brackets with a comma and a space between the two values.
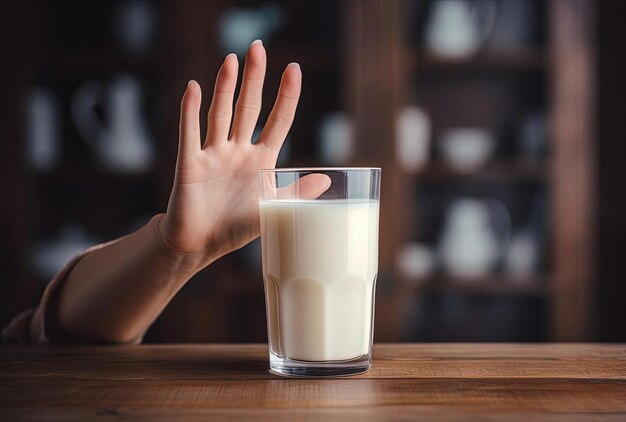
[226, 382]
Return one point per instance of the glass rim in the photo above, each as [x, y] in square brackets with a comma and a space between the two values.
[307, 169]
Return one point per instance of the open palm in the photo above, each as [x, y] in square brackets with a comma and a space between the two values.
[213, 208]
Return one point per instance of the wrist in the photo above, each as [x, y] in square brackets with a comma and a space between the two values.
[182, 260]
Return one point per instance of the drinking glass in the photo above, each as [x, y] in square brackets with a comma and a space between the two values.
[319, 235]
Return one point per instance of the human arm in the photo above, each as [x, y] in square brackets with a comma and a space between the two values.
[114, 293]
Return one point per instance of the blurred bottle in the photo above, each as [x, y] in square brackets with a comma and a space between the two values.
[336, 138]
[533, 135]
[122, 143]
[135, 23]
[43, 129]
[524, 253]
[413, 129]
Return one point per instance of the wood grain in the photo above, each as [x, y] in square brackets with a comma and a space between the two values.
[407, 382]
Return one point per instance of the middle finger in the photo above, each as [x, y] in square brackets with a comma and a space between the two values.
[249, 102]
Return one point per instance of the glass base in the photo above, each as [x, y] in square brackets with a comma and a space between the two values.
[336, 368]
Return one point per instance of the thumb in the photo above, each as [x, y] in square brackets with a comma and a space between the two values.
[310, 186]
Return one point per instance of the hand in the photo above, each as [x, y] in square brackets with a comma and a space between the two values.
[213, 207]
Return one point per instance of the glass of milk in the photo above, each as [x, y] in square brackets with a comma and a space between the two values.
[319, 235]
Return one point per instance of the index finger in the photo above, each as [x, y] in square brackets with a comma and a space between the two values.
[310, 186]
[189, 124]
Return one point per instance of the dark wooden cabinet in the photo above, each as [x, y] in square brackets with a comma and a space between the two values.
[368, 60]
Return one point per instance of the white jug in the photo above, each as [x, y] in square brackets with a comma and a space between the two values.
[476, 233]
[122, 143]
[43, 131]
[458, 28]
[239, 26]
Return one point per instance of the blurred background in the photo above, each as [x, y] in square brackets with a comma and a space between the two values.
[498, 125]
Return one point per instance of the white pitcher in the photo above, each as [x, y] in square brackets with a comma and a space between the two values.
[122, 143]
[458, 28]
[475, 236]
[239, 26]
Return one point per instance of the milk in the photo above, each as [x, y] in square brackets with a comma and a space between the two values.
[320, 261]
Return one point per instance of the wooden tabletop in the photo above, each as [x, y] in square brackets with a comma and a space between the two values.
[230, 382]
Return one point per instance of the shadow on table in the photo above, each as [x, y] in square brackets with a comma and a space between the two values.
[196, 366]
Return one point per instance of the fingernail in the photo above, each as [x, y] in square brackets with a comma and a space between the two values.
[231, 54]
[256, 42]
[190, 82]
[294, 64]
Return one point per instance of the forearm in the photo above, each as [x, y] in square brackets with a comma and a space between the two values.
[115, 293]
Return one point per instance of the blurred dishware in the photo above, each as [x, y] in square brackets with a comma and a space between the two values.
[43, 129]
[135, 23]
[457, 29]
[121, 142]
[466, 149]
[533, 135]
[524, 253]
[416, 261]
[475, 235]
[240, 26]
[335, 138]
[515, 26]
[413, 129]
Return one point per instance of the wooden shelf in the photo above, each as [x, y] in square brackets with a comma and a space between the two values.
[536, 285]
[523, 59]
[371, 71]
[504, 170]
